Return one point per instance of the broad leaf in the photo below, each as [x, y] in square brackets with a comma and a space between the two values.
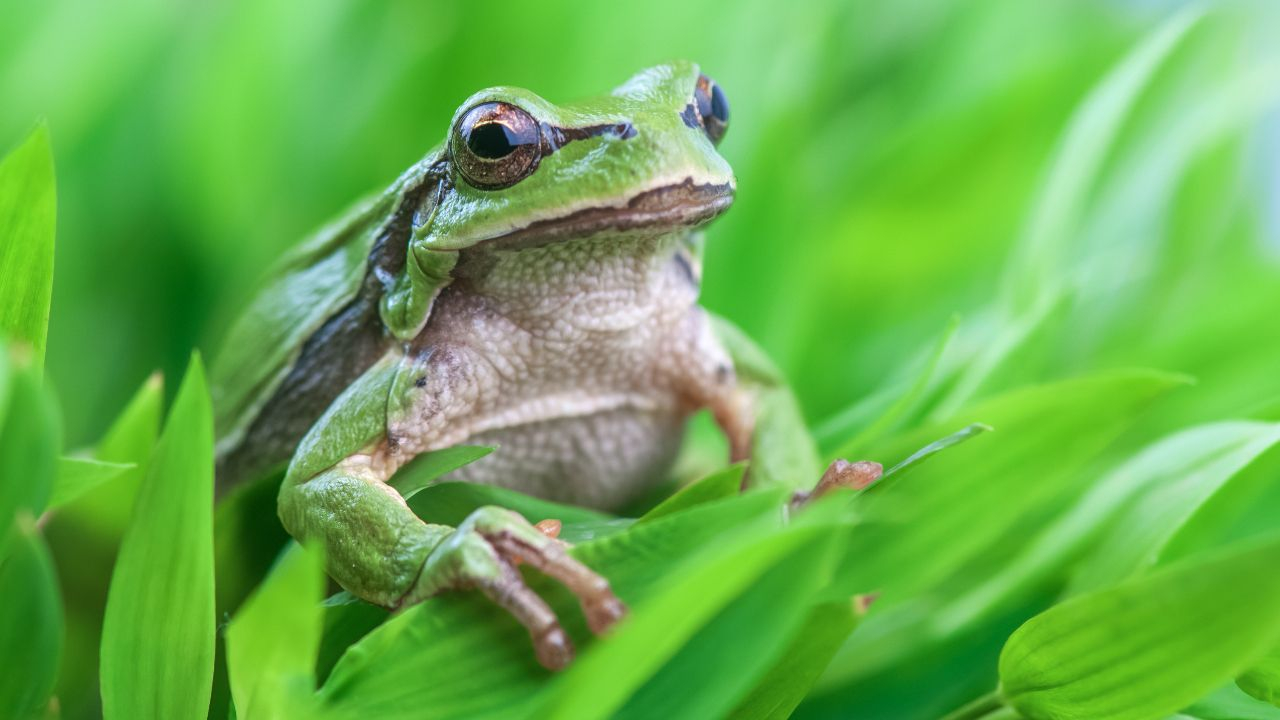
[28, 212]
[158, 633]
[1150, 646]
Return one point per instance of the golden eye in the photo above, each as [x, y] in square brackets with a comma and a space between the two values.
[495, 145]
[713, 108]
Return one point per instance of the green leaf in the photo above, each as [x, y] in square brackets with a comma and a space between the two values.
[158, 632]
[30, 623]
[923, 525]
[273, 640]
[30, 436]
[1177, 489]
[716, 486]
[28, 213]
[77, 476]
[649, 646]
[1150, 646]
[105, 510]
[965, 433]
[1213, 453]
[450, 503]
[479, 659]
[1262, 681]
[785, 685]
[429, 467]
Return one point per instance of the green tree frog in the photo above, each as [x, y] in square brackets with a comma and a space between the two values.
[530, 284]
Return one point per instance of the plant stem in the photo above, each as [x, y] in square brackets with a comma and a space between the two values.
[984, 707]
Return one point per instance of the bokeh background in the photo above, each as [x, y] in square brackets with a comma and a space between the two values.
[906, 167]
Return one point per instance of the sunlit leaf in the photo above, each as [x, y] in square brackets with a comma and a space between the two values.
[158, 633]
[1262, 681]
[77, 476]
[28, 213]
[1150, 646]
[273, 640]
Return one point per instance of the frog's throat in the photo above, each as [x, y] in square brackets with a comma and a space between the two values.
[684, 204]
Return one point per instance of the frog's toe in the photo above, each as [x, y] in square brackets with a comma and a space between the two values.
[841, 474]
[517, 541]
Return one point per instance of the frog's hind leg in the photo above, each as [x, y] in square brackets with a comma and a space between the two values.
[336, 495]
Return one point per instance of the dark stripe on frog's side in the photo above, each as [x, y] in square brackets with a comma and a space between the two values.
[342, 349]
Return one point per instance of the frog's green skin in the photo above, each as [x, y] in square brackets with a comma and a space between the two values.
[554, 316]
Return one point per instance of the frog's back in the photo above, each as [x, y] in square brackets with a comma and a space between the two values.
[307, 334]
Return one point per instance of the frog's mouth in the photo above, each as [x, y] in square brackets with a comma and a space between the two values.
[684, 204]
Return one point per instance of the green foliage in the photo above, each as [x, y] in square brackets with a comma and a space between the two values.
[30, 623]
[956, 224]
[1149, 646]
[158, 635]
[28, 212]
[272, 642]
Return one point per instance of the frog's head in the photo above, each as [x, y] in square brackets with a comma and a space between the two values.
[522, 171]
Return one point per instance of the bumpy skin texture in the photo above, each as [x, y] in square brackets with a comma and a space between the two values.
[555, 318]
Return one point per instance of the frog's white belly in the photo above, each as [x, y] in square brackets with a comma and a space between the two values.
[602, 460]
[575, 360]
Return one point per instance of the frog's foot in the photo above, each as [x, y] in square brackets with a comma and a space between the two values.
[483, 553]
[840, 474]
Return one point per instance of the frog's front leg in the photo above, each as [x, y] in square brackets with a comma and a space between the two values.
[379, 550]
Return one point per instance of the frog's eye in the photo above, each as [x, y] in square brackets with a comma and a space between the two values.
[495, 145]
[713, 107]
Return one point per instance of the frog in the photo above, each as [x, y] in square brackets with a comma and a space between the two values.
[531, 284]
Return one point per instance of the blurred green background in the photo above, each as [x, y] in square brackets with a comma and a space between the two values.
[900, 163]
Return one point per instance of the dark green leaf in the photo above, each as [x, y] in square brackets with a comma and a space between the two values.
[30, 623]
[158, 633]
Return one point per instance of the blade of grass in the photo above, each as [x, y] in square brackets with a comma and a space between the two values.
[30, 623]
[30, 436]
[28, 213]
[77, 476]
[273, 640]
[158, 632]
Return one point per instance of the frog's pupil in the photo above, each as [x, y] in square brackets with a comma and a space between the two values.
[492, 141]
